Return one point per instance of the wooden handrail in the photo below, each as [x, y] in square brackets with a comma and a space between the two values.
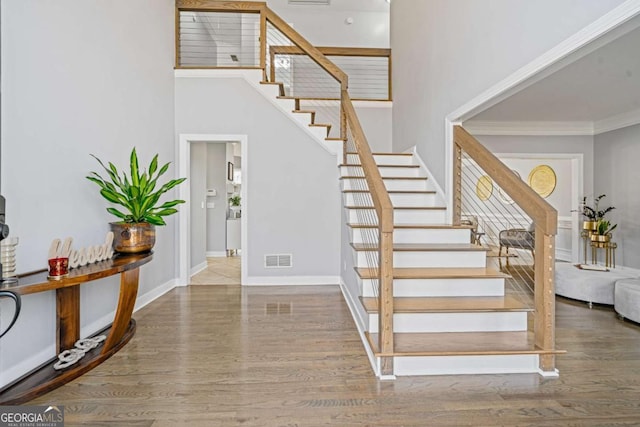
[309, 49]
[379, 194]
[333, 51]
[545, 218]
[542, 213]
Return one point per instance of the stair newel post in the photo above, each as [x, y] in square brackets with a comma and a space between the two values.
[385, 318]
[263, 47]
[545, 308]
[343, 130]
[457, 183]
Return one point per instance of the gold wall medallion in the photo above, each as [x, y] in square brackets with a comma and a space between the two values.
[543, 180]
[484, 187]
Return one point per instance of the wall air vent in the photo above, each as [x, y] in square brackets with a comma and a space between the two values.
[310, 2]
[278, 261]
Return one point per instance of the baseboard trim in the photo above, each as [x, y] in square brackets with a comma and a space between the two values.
[198, 268]
[292, 281]
[216, 254]
[373, 360]
[16, 371]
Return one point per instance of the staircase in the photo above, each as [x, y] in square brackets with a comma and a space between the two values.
[451, 312]
[420, 289]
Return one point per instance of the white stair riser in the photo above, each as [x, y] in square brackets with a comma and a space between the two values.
[430, 259]
[382, 159]
[397, 199]
[401, 216]
[454, 322]
[390, 184]
[319, 132]
[462, 365]
[416, 235]
[272, 91]
[493, 287]
[286, 104]
[384, 171]
[304, 118]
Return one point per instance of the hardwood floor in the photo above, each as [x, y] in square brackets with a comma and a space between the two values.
[276, 356]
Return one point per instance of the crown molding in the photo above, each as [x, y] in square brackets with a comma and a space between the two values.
[619, 121]
[528, 128]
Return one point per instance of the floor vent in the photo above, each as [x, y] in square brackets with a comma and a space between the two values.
[278, 261]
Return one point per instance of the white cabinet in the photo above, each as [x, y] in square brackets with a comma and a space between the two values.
[233, 234]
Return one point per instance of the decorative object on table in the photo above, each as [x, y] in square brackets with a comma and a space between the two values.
[484, 187]
[542, 179]
[143, 211]
[58, 268]
[83, 256]
[8, 257]
[81, 347]
[596, 230]
[229, 171]
[17, 302]
[504, 197]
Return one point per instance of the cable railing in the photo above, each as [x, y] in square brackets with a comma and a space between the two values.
[529, 224]
[305, 74]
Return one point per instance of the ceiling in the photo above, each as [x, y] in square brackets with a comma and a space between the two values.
[362, 5]
[600, 86]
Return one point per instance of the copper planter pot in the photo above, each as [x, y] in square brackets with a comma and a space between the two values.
[133, 237]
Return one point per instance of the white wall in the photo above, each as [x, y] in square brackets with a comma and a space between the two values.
[617, 175]
[578, 145]
[79, 77]
[325, 25]
[198, 213]
[445, 52]
[293, 201]
[217, 179]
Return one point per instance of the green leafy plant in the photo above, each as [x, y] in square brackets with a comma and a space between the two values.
[605, 227]
[234, 200]
[137, 192]
[594, 213]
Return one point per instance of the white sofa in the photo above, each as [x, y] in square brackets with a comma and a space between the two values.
[627, 299]
[587, 285]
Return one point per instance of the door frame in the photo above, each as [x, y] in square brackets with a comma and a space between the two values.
[184, 193]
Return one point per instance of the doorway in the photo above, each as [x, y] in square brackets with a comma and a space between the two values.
[203, 200]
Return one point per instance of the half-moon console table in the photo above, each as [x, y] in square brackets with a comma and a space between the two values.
[44, 378]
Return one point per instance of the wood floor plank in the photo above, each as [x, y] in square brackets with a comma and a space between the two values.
[291, 356]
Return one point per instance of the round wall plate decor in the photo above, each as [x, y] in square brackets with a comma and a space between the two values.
[543, 180]
[484, 187]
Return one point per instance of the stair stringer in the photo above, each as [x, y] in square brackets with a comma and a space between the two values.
[270, 92]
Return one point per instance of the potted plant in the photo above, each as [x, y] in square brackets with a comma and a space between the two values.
[234, 205]
[138, 195]
[603, 231]
[593, 214]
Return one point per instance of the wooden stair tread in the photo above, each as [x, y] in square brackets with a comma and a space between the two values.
[448, 305]
[461, 344]
[436, 273]
[333, 138]
[394, 191]
[411, 208]
[303, 111]
[414, 226]
[327, 125]
[425, 247]
[380, 165]
[388, 177]
[385, 154]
